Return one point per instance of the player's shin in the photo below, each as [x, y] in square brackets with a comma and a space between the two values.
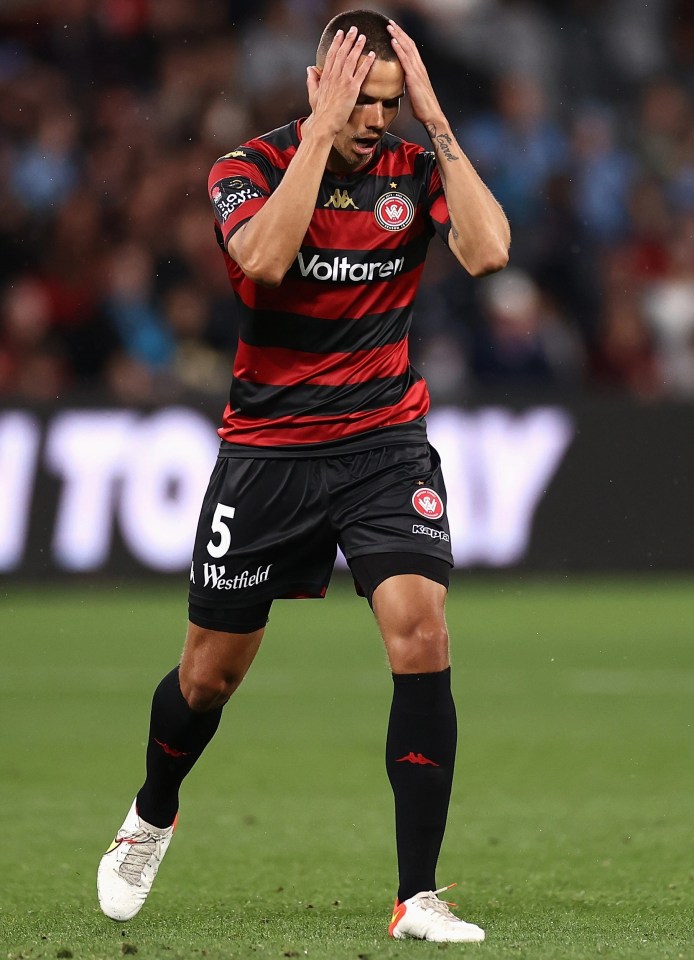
[420, 758]
[177, 738]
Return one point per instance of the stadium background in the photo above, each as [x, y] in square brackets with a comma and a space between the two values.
[563, 410]
[576, 363]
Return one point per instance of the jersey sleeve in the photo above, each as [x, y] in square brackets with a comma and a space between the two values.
[436, 200]
[238, 188]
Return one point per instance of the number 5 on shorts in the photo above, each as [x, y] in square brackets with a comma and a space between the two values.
[220, 527]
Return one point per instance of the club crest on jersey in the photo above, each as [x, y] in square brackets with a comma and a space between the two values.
[427, 503]
[394, 211]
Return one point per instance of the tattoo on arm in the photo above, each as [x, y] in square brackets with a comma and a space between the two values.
[442, 141]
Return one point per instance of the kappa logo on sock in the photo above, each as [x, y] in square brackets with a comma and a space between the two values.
[417, 758]
[170, 751]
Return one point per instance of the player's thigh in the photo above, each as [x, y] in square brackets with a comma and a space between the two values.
[409, 610]
[262, 534]
[392, 500]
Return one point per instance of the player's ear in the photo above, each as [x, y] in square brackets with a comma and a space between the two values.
[313, 75]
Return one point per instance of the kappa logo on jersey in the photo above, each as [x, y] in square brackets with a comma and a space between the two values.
[214, 577]
[394, 211]
[427, 503]
[229, 194]
[343, 270]
[341, 200]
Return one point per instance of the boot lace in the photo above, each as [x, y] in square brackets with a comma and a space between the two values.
[143, 847]
[430, 901]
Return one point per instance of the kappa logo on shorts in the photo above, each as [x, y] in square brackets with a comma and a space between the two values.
[427, 503]
[394, 211]
[430, 532]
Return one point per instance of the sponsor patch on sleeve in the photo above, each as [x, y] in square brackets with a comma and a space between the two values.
[229, 194]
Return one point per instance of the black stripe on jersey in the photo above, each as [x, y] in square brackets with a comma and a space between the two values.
[265, 328]
[362, 195]
[266, 401]
[257, 159]
[283, 138]
[392, 143]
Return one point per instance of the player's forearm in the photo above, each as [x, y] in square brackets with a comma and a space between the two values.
[267, 245]
[480, 234]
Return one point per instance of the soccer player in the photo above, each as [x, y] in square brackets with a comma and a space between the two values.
[324, 226]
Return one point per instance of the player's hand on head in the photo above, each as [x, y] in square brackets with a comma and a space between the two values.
[333, 90]
[423, 101]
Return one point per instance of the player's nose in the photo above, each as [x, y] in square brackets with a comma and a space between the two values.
[374, 116]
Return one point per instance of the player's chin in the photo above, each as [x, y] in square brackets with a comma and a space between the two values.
[358, 156]
[353, 158]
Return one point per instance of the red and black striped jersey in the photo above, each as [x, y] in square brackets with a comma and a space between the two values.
[324, 356]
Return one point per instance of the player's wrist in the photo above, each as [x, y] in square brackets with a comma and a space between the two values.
[318, 130]
[435, 124]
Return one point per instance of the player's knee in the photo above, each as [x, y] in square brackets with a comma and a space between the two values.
[205, 692]
[421, 648]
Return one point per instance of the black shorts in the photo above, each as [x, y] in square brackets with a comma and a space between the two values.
[269, 528]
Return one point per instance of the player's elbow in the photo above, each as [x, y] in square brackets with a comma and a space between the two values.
[264, 273]
[492, 261]
[265, 278]
[254, 261]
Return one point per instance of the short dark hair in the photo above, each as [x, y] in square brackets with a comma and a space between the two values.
[373, 25]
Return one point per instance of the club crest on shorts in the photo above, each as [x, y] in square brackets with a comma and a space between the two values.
[427, 503]
[394, 211]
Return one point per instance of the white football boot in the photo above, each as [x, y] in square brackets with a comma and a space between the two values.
[425, 917]
[128, 868]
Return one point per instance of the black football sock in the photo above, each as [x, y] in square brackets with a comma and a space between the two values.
[177, 737]
[420, 757]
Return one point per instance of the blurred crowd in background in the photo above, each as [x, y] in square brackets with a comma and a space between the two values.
[579, 115]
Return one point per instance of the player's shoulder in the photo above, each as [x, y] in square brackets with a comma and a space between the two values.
[275, 147]
[406, 156]
[397, 145]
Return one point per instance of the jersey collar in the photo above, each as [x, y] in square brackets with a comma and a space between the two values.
[342, 177]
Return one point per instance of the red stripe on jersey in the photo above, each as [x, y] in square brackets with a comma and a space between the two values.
[332, 302]
[354, 231]
[439, 210]
[282, 367]
[244, 212]
[286, 431]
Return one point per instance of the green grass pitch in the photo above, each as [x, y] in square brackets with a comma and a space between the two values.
[570, 833]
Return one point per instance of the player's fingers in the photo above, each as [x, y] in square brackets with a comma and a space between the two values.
[398, 32]
[345, 47]
[352, 57]
[335, 45]
[362, 71]
[333, 50]
[401, 41]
